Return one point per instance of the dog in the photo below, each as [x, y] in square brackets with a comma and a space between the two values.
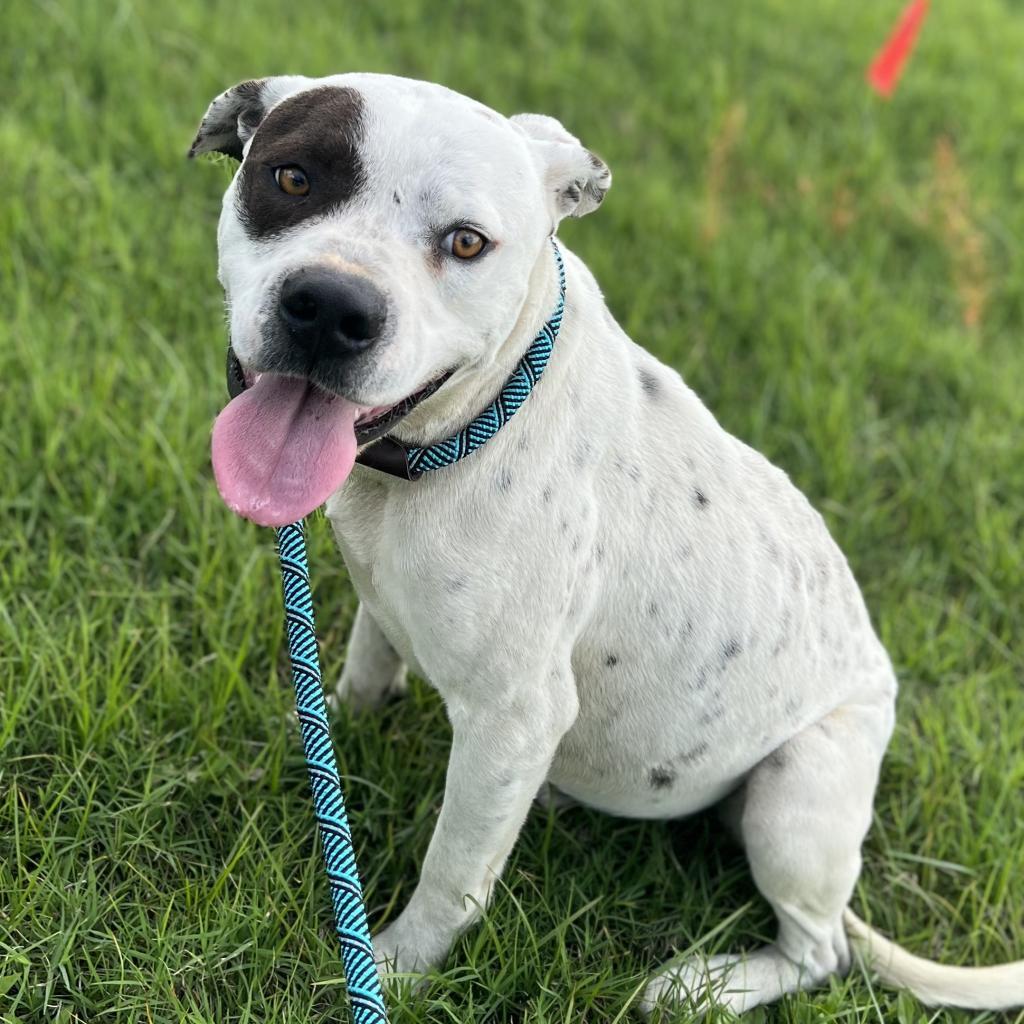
[617, 600]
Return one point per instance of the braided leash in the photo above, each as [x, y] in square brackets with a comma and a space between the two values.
[364, 989]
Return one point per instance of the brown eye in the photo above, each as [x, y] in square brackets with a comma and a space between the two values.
[465, 243]
[292, 180]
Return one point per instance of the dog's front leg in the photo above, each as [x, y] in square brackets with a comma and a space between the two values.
[501, 752]
[373, 671]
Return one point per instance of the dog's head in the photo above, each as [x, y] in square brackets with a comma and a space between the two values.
[379, 233]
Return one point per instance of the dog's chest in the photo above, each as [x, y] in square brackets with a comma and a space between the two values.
[433, 564]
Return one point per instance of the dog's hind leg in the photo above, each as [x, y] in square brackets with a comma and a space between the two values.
[805, 811]
[373, 672]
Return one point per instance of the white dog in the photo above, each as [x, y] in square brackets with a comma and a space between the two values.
[614, 597]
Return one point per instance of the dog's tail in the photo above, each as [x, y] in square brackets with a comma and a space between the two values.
[971, 988]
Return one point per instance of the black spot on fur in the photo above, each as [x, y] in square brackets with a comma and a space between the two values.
[731, 649]
[780, 645]
[661, 777]
[700, 499]
[319, 130]
[545, 495]
[650, 383]
[612, 660]
[504, 481]
[795, 572]
[770, 545]
[397, 198]
[652, 609]
[713, 714]
[821, 567]
[693, 754]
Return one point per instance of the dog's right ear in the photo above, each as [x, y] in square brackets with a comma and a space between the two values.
[233, 117]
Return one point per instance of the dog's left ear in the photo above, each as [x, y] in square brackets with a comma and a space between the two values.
[233, 117]
[577, 179]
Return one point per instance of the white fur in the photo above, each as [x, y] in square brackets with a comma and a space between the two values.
[615, 598]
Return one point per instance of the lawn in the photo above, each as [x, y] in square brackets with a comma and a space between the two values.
[841, 279]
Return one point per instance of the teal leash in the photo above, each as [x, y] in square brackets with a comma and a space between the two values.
[364, 989]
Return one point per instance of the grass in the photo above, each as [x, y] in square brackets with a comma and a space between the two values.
[841, 279]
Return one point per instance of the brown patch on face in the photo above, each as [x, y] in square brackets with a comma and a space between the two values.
[330, 259]
[319, 131]
[963, 240]
[722, 146]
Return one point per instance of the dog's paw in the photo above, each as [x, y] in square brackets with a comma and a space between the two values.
[696, 984]
[404, 957]
[361, 694]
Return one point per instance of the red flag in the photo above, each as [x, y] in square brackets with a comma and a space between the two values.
[886, 68]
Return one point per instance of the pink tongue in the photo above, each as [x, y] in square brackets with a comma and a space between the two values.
[281, 448]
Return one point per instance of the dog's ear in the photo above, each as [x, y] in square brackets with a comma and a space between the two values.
[233, 117]
[577, 179]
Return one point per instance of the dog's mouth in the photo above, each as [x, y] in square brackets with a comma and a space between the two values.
[283, 445]
[376, 422]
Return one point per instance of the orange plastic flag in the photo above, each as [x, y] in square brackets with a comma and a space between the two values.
[886, 68]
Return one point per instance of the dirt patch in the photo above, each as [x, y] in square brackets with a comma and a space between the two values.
[963, 240]
[717, 174]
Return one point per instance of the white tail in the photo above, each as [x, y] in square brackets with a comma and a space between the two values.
[971, 988]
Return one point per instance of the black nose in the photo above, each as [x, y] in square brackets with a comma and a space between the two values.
[330, 313]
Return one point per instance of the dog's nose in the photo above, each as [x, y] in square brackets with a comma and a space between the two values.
[329, 313]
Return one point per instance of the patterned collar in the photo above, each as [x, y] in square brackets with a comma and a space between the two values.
[409, 462]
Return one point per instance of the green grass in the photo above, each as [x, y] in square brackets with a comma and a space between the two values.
[842, 280]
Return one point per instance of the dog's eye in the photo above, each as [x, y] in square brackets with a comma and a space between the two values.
[292, 180]
[465, 243]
